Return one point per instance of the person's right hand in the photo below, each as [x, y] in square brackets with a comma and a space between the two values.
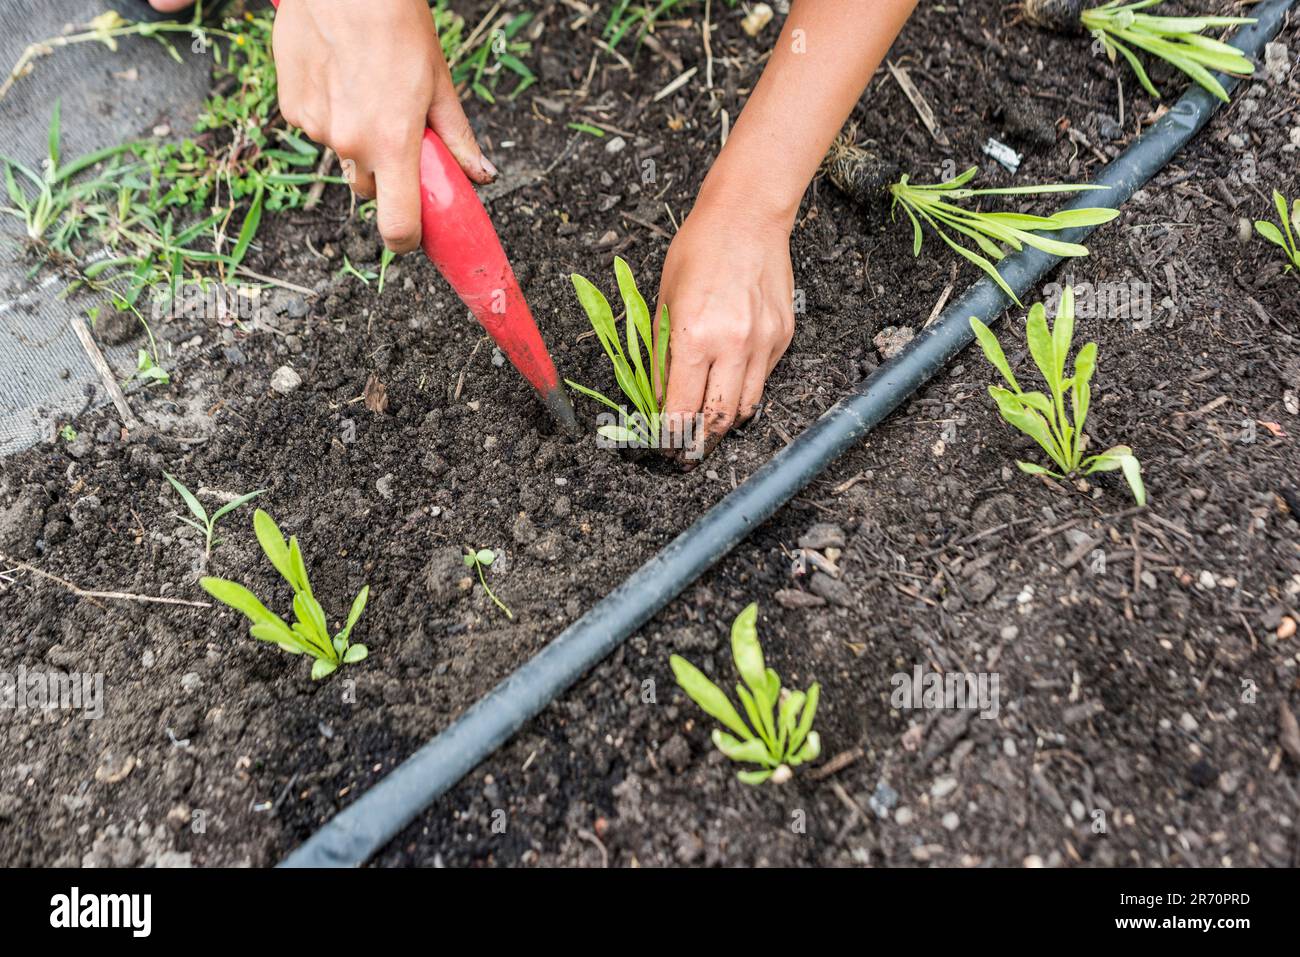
[365, 78]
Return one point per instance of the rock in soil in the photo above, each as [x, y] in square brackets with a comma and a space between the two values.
[114, 327]
[822, 536]
[833, 590]
[794, 598]
[285, 380]
[891, 340]
[21, 522]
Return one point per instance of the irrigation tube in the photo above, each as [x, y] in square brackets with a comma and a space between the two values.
[377, 816]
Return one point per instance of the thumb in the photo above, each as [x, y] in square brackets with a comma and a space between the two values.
[448, 120]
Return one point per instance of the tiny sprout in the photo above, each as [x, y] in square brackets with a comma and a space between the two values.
[206, 524]
[479, 559]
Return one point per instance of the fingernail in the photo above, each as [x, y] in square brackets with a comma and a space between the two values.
[488, 169]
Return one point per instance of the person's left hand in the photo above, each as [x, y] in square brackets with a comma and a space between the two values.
[729, 287]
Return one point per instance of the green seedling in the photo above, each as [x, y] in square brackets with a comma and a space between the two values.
[350, 270]
[67, 433]
[1179, 41]
[205, 523]
[781, 737]
[385, 260]
[1283, 237]
[479, 559]
[309, 634]
[642, 370]
[937, 205]
[148, 371]
[1044, 418]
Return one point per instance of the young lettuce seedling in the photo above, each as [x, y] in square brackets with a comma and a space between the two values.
[936, 205]
[309, 634]
[782, 737]
[481, 558]
[207, 524]
[1179, 41]
[1283, 237]
[643, 377]
[1045, 419]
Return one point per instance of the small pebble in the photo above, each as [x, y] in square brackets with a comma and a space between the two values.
[285, 380]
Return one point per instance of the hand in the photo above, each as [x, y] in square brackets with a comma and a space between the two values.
[365, 78]
[170, 6]
[729, 288]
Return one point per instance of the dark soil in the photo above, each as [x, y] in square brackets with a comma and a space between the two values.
[1141, 692]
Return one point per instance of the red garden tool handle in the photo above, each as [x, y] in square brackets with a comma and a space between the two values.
[459, 239]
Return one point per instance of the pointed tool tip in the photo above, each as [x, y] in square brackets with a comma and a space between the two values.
[561, 409]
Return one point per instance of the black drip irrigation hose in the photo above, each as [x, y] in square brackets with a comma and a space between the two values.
[353, 835]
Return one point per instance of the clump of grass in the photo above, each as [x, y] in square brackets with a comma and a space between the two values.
[1284, 237]
[170, 214]
[486, 55]
[309, 634]
[1179, 41]
[1057, 426]
[937, 205]
[781, 720]
[627, 18]
[641, 370]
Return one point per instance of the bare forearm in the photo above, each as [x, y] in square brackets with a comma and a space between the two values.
[823, 60]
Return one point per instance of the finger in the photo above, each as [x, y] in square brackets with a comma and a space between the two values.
[688, 374]
[751, 390]
[361, 180]
[397, 181]
[721, 404]
[447, 118]
[170, 6]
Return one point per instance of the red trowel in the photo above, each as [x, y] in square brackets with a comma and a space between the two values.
[459, 239]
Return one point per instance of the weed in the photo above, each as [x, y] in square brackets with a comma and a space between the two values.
[126, 203]
[643, 377]
[1045, 419]
[782, 735]
[309, 633]
[935, 204]
[638, 19]
[479, 559]
[482, 58]
[1283, 237]
[205, 523]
